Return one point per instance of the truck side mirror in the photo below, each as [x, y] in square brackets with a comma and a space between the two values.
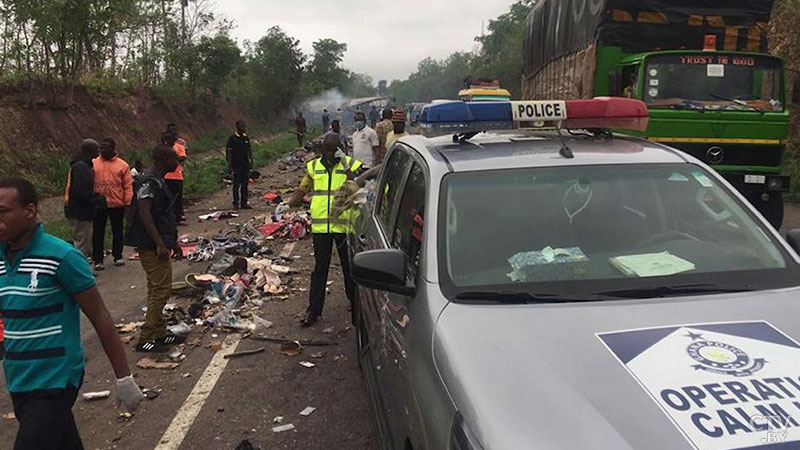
[795, 95]
[614, 88]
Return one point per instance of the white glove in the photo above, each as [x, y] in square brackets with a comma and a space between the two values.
[281, 208]
[128, 393]
[342, 157]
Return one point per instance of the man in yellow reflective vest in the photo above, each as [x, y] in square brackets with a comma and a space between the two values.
[324, 177]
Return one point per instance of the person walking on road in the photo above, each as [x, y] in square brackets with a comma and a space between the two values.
[373, 117]
[153, 231]
[47, 284]
[326, 120]
[365, 142]
[80, 200]
[175, 178]
[112, 180]
[383, 128]
[300, 128]
[398, 128]
[239, 155]
[324, 177]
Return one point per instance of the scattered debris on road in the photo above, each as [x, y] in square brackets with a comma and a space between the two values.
[308, 411]
[244, 353]
[292, 348]
[149, 363]
[307, 364]
[282, 428]
[90, 396]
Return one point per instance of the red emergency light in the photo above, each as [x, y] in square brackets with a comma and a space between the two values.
[607, 112]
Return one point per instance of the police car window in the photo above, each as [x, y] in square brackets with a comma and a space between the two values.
[602, 225]
[396, 169]
[409, 223]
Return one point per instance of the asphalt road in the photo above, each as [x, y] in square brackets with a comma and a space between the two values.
[252, 390]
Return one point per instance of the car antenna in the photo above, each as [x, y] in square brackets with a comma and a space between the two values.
[565, 151]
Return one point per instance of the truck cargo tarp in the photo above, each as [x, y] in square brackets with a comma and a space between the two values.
[555, 28]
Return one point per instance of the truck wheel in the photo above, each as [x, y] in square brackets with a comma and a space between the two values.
[772, 209]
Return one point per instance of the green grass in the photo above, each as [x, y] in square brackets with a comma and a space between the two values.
[203, 177]
[60, 229]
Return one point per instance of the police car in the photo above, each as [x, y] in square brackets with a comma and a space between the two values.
[568, 288]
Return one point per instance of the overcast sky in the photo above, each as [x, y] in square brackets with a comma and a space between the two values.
[384, 39]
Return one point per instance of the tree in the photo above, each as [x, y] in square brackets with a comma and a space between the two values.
[324, 67]
[219, 57]
[278, 64]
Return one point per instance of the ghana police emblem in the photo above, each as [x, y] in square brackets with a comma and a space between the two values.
[721, 358]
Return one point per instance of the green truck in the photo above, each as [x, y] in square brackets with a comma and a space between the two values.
[700, 66]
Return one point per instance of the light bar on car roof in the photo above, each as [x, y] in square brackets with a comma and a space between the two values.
[457, 117]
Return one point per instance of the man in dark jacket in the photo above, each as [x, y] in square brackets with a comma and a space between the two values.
[153, 231]
[80, 200]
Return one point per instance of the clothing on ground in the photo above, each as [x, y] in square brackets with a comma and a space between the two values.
[363, 141]
[180, 149]
[82, 234]
[112, 180]
[163, 211]
[41, 317]
[45, 419]
[117, 218]
[159, 289]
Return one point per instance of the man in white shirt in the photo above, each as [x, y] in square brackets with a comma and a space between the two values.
[365, 142]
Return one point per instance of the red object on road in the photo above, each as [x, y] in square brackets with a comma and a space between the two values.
[271, 196]
[270, 228]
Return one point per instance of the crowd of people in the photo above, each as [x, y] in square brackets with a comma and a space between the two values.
[42, 351]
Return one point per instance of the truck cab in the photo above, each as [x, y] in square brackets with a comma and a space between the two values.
[727, 109]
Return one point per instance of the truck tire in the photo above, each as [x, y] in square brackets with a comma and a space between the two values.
[772, 209]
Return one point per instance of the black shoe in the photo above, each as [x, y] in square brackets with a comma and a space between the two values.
[309, 320]
[172, 339]
[151, 347]
[246, 206]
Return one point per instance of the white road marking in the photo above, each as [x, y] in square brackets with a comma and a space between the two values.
[184, 418]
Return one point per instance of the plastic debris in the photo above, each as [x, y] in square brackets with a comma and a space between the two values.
[308, 411]
[89, 396]
[277, 419]
[282, 428]
[307, 364]
[180, 329]
[149, 363]
[291, 348]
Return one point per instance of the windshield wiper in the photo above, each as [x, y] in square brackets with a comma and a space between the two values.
[690, 105]
[676, 290]
[515, 297]
[738, 102]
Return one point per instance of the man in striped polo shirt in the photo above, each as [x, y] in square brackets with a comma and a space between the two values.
[44, 284]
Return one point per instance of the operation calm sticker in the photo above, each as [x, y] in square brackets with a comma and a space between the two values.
[724, 385]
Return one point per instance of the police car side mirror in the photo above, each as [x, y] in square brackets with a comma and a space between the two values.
[614, 88]
[384, 270]
[793, 238]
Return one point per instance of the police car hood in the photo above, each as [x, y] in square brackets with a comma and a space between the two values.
[591, 375]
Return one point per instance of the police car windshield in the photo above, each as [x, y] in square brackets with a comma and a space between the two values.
[597, 229]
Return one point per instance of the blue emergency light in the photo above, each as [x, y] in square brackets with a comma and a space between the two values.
[462, 118]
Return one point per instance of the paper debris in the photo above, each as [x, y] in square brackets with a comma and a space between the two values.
[283, 428]
[88, 396]
[308, 411]
[307, 364]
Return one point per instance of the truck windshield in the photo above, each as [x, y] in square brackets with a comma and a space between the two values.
[713, 82]
[594, 229]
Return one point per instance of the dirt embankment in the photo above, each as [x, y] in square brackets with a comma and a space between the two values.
[35, 130]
